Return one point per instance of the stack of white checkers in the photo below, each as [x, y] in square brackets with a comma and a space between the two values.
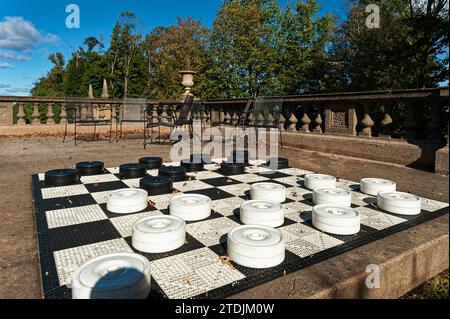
[337, 220]
[332, 195]
[159, 234]
[268, 191]
[127, 201]
[312, 181]
[399, 203]
[262, 212]
[256, 246]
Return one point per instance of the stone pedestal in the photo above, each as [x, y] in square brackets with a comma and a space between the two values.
[6, 114]
[340, 119]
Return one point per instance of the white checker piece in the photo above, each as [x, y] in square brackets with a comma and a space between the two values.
[68, 260]
[73, 216]
[193, 185]
[226, 206]
[124, 224]
[103, 178]
[209, 232]
[41, 176]
[249, 178]
[63, 191]
[236, 189]
[192, 273]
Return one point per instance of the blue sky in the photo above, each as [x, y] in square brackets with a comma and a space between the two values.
[31, 30]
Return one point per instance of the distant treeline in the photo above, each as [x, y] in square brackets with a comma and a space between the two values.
[257, 47]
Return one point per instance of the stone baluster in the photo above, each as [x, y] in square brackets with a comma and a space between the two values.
[164, 114]
[292, 122]
[114, 108]
[366, 122]
[386, 123]
[35, 116]
[305, 120]
[250, 118]
[282, 121]
[235, 118]
[63, 115]
[50, 114]
[221, 116]
[83, 112]
[318, 122]
[435, 123]
[410, 123]
[260, 119]
[101, 111]
[227, 118]
[21, 114]
[155, 117]
[270, 119]
[90, 111]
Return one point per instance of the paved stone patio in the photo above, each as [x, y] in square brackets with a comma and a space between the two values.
[407, 258]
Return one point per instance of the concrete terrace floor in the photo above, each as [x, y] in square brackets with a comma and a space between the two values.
[341, 276]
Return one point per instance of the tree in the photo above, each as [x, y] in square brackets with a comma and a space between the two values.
[242, 49]
[409, 50]
[171, 49]
[301, 38]
[121, 53]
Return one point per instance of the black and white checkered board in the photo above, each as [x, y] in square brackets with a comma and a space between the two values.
[74, 226]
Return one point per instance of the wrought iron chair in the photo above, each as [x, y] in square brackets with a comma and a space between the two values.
[80, 113]
[172, 121]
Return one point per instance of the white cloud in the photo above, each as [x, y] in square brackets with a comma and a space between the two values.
[5, 66]
[16, 33]
[11, 56]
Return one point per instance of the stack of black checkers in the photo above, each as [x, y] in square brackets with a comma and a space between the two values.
[62, 177]
[90, 168]
[151, 162]
[239, 156]
[176, 173]
[230, 168]
[278, 163]
[192, 165]
[132, 170]
[156, 185]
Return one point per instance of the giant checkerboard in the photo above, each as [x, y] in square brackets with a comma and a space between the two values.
[73, 226]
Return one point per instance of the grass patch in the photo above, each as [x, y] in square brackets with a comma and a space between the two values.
[435, 288]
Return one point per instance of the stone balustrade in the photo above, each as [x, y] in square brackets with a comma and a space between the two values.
[408, 127]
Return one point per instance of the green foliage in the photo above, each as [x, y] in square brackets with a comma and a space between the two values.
[258, 47]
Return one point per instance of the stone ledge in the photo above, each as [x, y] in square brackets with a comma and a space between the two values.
[405, 259]
[395, 151]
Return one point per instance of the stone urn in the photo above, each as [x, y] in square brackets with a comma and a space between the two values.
[187, 81]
